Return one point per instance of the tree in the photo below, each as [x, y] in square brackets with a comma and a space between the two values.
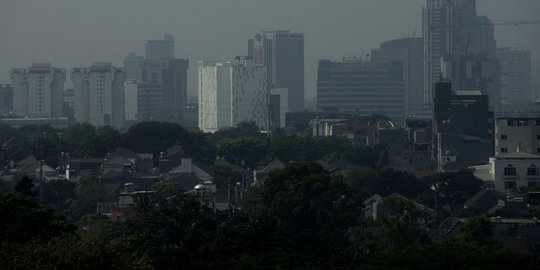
[88, 193]
[244, 151]
[58, 193]
[452, 189]
[477, 230]
[24, 218]
[25, 186]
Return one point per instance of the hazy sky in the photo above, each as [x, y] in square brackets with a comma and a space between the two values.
[71, 33]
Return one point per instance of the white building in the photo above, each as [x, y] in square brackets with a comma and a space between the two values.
[38, 91]
[517, 155]
[516, 85]
[99, 94]
[230, 93]
[130, 100]
[517, 133]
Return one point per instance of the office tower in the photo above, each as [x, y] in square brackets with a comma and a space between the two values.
[515, 76]
[230, 93]
[282, 53]
[474, 72]
[132, 66]
[279, 105]
[38, 90]
[452, 29]
[6, 99]
[408, 51]
[130, 100]
[149, 100]
[363, 87]
[99, 94]
[160, 48]
[171, 75]
[517, 134]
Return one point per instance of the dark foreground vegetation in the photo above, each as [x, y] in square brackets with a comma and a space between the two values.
[301, 217]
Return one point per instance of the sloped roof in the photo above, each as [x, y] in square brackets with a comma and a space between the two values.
[484, 199]
[273, 165]
[125, 153]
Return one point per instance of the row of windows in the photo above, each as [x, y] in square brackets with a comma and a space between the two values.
[532, 170]
[504, 137]
[513, 185]
[505, 150]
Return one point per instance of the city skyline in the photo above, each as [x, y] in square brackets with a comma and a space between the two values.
[76, 35]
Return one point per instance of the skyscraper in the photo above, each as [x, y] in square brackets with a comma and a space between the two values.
[452, 29]
[282, 53]
[230, 93]
[409, 52]
[171, 75]
[363, 87]
[38, 91]
[515, 76]
[162, 48]
[132, 66]
[99, 94]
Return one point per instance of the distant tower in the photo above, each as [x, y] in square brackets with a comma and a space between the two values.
[38, 91]
[451, 29]
[282, 53]
[160, 48]
[516, 85]
[99, 95]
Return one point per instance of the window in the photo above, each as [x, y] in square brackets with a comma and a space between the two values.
[509, 184]
[538, 150]
[510, 170]
[538, 137]
[533, 171]
[504, 150]
[504, 137]
[532, 184]
[510, 123]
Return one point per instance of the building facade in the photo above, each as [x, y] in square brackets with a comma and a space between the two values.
[451, 29]
[516, 85]
[282, 53]
[99, 95]
[408, 51]
[38, 91]
[517, 134]
[6, 99]
[230, 93]
[161, 48]
[365, 88]
[171, 75]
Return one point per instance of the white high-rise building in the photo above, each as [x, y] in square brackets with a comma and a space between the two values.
[130, 100]
[99, 94]
[515, 64]
[38, 91]
[230, 93]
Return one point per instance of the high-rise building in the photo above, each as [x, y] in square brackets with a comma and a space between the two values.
[149, 101]
[171, 75]
[515, 66]
[132, 66]
[130, 100]
[474, 72]
[452, 29]
[163, 48]
[282, 53]
[38, 91]
[99, 94]
[6, 99]
[408, 51]
[363, 87]
[230, 93]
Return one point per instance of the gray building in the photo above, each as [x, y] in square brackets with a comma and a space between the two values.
[162, 48]
[6, 99]
[516, 85]
[171, 75]
[408, 51]
[365, 88]
[460, 128]
[282, 53]
[451, 29]
[132, 66]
